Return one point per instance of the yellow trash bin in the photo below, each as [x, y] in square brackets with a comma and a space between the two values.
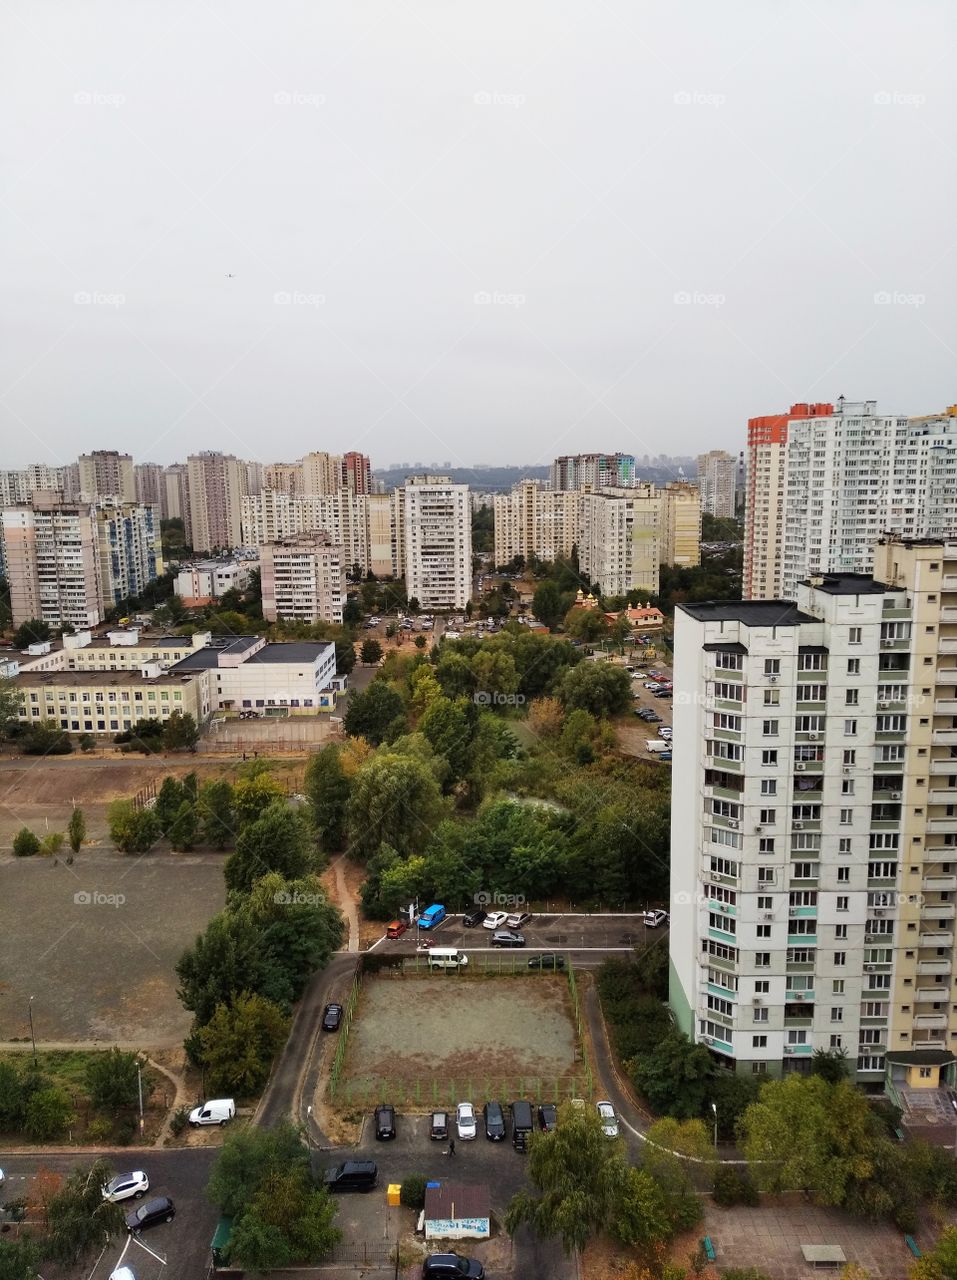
[392, 1195]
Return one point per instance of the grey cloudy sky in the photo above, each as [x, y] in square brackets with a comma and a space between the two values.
[469, 232]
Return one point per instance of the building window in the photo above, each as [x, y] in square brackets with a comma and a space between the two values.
[760, 1015]
[769, 757]
[854, 635]
[762, 959]
[847, 817]
[850, 728]
[837, 986]
[840, 958]
[851, 697]
[763, 930]
[770, 728]
[844, 844]
[843, 902]
[759, 1042]
[766, 844]
[762, 986]
[843, 875]
[850, 756]
[759, 1068]
[853, 666]
[772, 666]
[837, 1013]
[772, 697]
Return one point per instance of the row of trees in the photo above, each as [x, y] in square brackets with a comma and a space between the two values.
[33, 1104]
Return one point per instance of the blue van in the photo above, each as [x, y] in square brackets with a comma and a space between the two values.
[431, 917]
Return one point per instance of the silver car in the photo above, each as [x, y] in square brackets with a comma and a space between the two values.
[609, 1121]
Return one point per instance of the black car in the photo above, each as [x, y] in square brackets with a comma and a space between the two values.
[506, 938]
[494, 1121]
[352, 1175]
[149, 1213]
[473, 918]
[547, 961]
[452, 1266]
[331, 1017]
[439, 1126]
[384, 1122]
[547, 1117]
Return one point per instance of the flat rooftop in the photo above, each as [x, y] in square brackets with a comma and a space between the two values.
[293, 651]
[846, 584]
[753, 613]
[34, 679]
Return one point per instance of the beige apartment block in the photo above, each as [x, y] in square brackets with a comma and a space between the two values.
[104, 473]
[681, 525]
[53, 563]
[717, 482]
[535, 521]
[302, 579]
[217, 482]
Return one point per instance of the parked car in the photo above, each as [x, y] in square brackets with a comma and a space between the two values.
[653, 717]
[609, 1121]
[664, 731]
[519, 919]
[547, 1117]
[655, 918]
[149, 1213]
[352, 1175]
[331, 1017]
[506, 938]
[548, 960]
[465, 1123]
[495, 920]
[126, 1186]
[384, 1122]
[452, 1266]
[439, 1126]
[217, 1111]
[494, 1118]
[664, 693]
[473, 918]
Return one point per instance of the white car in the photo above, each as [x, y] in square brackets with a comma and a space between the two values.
[664, 731]
[126, 1186]
[609, 1121]
[465, 1123]
[495, 920]
[655, 918]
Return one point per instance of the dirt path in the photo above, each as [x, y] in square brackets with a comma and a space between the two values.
[347, 904]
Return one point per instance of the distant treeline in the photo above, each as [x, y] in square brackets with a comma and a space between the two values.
[501, 479]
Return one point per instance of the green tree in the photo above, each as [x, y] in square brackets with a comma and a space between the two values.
[12, 1097]
[371, 652]
[180, 732]
[47, 1114]
[238, 1044]
[19, 1259]
[674, 1077]
[217, 814]
[941, 1262]
[251, 796]
[11, 700]
[79, 1220]
[598, 687]
[672, 1148]
[25, 843]
[806, 1133]
[424, 688]
[112, 1079]
[223, 961]
[372, 712]
[641, 1216]
[578, 1177]
[44, 738]
[168, 800]
[288, 1221]
[449, 727]
[184, 829]
[327, 788]
[132, 830]
[395, 799]
[297, 926]
[587, 625]
[345, 656]
[831, 1064]
[34, 631]
[549, 605]
[76, 830]
[276, 841]
[247, 1158]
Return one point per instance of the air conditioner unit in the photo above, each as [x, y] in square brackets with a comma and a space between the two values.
[800, 767]
[715, 878]
[706, 1040]
[798, 826]
[812, 737]
[878, 911]
[870, 937]
[768, 915]
[847, 769]
[757, 1000]
[895, 795]
[869, 968]
[772, 679]
[732, 822]
[792, 912]
[758, 828]
[797, 995]
[788, 1049]
[883, 706]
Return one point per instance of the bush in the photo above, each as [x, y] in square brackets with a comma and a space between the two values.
[25, 843]
[179, 1121]
[99, 1130]
[412, 1191]
[126, 1131]
[732, 1186]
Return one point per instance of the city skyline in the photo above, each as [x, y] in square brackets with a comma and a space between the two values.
[495, 249]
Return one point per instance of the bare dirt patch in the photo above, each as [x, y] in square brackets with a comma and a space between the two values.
[435, 1038]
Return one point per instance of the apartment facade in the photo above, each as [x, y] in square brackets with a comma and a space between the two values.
[104, 473]
[535, 521]
[814, 834]
[437, 542]
[130, 549]
[217, 483]
[619, 539]
[680, 524]
[52, 560]
[176, 487]
[363, 525]
[303, 579]
[204, 581]
[594, 470]
[717, 482]
[150, 485]
[104, 702]
[356, 472]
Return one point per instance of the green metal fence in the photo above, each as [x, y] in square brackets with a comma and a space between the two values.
[335, 1071]
[428, 1093]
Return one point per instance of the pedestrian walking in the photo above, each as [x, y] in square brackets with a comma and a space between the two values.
[451, 1146]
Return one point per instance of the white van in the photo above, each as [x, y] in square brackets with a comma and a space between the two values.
[447, 958]
[216, 1111]
[657, 745]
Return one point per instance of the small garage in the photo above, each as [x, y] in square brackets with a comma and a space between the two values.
[457, 1211]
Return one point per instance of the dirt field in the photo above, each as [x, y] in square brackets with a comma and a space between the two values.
[442, 1038]
[95, 944]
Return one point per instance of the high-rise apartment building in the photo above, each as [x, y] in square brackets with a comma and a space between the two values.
[52, 561]
[282, 477]
[717, 472]
[104, 473]
[303, 579]
[437, 542]
[320, 473]
[176, 488]
[619, 539]
[356, 473]
[535, 521]
[361, 524]
[150, 484]
[129, 548]
[597, 470]
[217, 482]
[814, 842]
[831, 484]
[680, 524]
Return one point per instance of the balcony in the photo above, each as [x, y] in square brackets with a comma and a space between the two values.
[939, 884]
[931, 995]
[944, 795]
[930, 1021]
[936, 939]
[945, 737]
[938, 911]
[945, 706]
[946, 644]
[945, 765]
[942, 824]
[948, 613]
[931, 968]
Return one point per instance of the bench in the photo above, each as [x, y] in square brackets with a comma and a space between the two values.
[899, 1135]
[708, 1247]
[912, 1245]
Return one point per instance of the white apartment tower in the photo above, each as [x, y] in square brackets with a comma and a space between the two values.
[814, 830]
[437, 542]
[535, 521]
[302, 579]
[716, 481]
[216, 483]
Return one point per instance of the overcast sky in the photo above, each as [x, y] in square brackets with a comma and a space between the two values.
[485, 232]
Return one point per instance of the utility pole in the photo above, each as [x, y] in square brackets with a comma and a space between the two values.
[139, 1084]
[33, 1038]
[714, 1108]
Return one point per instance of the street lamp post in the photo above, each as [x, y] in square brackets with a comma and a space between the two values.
[714, 1108]
[33, 1039]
